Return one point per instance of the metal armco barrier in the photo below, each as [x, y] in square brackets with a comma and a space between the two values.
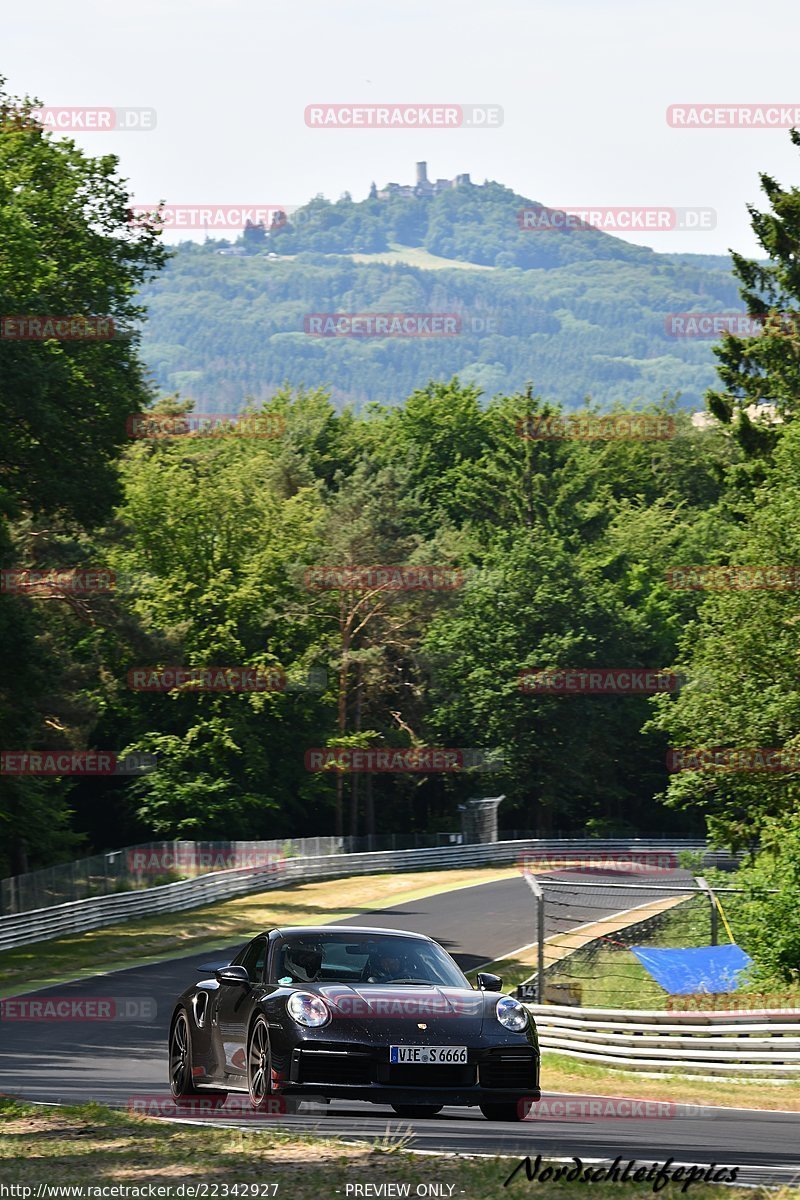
[722, 1045]
[79, 916]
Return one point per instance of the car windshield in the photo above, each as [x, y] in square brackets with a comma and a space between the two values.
[366, 959]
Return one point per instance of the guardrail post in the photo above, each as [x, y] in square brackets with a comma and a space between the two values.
[536, 888]
[712, 900]
[540, 952]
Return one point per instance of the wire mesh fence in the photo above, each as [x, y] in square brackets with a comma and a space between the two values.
[589, 920]
[150, 864]
[591, 930]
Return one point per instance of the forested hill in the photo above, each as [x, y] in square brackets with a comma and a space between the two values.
[577, 311]
[476, 224]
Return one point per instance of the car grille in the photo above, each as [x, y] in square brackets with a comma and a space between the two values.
[505, 1069]
[325, 1067]
[429, 1076]
[509, 1069]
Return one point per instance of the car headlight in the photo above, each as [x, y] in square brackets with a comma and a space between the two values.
[511, 1014]
[307, 1009]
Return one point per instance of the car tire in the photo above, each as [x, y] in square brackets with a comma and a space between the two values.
[417, 1110]
[181, 1076]
[507, 1110]
[259, 1067]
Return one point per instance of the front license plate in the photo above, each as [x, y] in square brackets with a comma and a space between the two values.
[428, 1054]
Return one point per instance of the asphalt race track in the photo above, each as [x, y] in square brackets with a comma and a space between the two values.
[116, 1061]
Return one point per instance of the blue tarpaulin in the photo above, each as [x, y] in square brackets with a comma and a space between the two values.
[702, 969]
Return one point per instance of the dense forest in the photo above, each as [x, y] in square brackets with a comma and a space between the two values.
[257, 547]
[582, 312]
[557, 551]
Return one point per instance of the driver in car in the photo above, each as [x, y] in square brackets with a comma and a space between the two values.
[302, 960]
[387, 965]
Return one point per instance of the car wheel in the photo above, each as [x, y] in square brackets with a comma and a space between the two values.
[417, 1110]
[181, 1076]
[181, 1080]
[259, 1066]
[513, 1110]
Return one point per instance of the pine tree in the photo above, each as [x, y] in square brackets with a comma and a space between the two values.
[765, 368]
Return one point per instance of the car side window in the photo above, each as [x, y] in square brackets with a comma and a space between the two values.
[254, 958]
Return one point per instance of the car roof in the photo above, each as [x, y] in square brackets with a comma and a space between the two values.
[315, 930]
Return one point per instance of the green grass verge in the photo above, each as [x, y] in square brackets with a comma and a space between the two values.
[561, 1073]
[93, 1146]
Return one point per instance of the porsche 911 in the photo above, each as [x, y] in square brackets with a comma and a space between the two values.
[337, 1012]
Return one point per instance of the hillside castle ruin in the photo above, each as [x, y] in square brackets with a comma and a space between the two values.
[423, 188]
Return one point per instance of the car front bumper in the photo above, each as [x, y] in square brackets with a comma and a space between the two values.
[493, 1075]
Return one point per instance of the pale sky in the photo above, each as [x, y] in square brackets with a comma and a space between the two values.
[584, 85]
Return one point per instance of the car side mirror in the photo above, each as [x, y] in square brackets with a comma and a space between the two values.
[232, 975]
[488, 982]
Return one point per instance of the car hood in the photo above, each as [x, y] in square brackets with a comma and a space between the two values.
[443, 1010]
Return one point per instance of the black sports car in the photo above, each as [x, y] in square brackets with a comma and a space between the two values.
[365, 1014]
